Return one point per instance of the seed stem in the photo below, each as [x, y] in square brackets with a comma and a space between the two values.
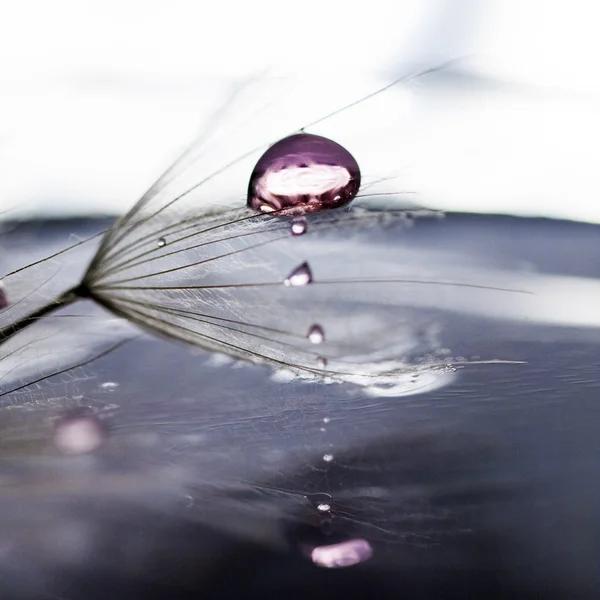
[65, 299]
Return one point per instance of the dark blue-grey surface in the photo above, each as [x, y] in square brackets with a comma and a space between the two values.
[484, 485]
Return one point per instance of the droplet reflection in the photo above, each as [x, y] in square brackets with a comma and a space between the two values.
[162, 242]
[301, 275]
[303, 173]
[79, 433]
[344, 554]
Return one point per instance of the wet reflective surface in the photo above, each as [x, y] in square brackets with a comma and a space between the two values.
[220, 479]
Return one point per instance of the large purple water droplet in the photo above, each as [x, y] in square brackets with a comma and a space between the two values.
[344, 554]
[303, 173]
[301, 275]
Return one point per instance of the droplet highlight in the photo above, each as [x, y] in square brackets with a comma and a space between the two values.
[327, 457]
[324, 507]
[316, 335]
[299, 226]
[344, 554]
[301, 275]
[162, 242]
[303, 173]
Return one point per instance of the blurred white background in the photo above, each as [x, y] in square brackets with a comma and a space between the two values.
[97, 98]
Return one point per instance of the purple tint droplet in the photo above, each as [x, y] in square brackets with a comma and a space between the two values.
[301, 275]
[316, 335]
[80, 432]
[344, 554]
[299, 226]
[303, 173]
[3, 297]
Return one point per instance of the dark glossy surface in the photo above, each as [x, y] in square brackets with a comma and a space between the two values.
[211, 479]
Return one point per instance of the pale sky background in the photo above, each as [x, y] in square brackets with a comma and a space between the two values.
[96, 98]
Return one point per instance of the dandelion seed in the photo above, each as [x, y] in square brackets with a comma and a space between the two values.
[220, 264]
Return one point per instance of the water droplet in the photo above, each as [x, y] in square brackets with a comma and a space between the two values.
[327, 457]
[344, 554]
[303, 173]
[3, 297]
[320, 499]
[316, 335]
[79, 432]
[162, 242]
[299, 226]
[326, 419]
[301, 275]
[322, 362]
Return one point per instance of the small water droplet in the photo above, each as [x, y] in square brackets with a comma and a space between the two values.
[301, 275]
[319, 499]
[316, 335]
[324, 507]
[162, 242]
[326, 419]
[299, 226]
[327, 457]
[79, 432]
[322, 362]
[344, 554]
[303, 173]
